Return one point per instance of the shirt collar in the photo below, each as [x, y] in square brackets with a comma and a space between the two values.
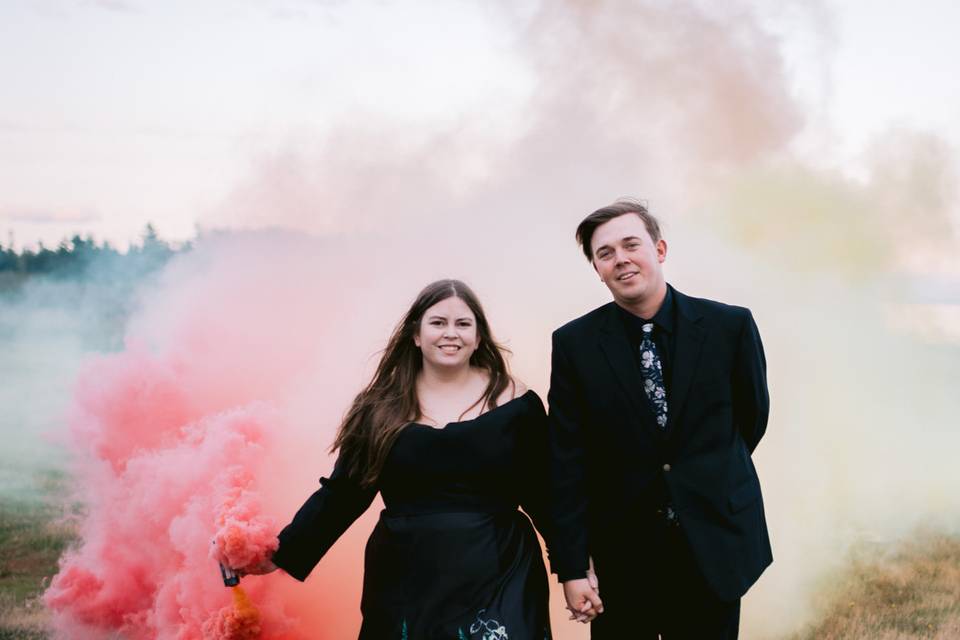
[663, 318]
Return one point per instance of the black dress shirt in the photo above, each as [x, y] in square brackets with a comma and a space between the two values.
[664, 334]
[665, 337]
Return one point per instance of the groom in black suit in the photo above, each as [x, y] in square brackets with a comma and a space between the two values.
[657, 401]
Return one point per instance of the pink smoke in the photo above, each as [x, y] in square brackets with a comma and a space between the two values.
[161, 483]
[185, 438]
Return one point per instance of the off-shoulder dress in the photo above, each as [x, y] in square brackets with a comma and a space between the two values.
[451, 557]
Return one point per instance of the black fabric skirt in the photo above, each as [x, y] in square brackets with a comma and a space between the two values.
[454, 576]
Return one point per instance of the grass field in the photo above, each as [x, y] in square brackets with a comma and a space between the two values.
[34, 530]
[912, 591]
[909, 592]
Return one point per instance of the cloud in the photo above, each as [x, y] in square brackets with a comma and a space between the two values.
[48, 217]
[114, 6]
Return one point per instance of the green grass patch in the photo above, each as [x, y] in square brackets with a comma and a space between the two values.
[34, 531]
[32, 538]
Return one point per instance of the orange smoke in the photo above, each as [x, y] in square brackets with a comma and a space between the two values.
[239, 622]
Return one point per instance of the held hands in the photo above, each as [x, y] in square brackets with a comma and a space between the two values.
[592, 578]
[583, 597]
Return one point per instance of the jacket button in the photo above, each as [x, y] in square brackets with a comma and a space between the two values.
[666, 467]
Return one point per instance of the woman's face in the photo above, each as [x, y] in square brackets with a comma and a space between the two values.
[447, 334]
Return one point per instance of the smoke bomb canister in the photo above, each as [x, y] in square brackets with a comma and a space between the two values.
[230, 577]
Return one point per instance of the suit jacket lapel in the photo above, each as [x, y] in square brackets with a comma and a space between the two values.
[616, 349]
[689, 341]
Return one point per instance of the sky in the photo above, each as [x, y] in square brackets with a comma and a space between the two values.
[116, 113]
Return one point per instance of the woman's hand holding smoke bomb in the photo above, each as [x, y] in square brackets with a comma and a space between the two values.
[259, 569]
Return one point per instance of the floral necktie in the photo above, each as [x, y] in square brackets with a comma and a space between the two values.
[652, 373]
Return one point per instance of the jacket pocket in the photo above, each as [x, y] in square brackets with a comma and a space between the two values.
[744, 495]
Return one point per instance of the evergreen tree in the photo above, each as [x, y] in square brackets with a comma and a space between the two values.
[74, 257]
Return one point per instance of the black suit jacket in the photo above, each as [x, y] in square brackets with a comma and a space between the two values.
[610, 462]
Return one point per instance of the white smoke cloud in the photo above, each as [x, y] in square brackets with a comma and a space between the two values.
[690, 108]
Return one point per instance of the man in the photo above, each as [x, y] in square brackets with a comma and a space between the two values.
[657, 401]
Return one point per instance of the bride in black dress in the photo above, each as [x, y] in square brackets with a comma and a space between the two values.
[454, 445]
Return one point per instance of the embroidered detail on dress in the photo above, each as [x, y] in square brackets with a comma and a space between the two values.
[491, 629]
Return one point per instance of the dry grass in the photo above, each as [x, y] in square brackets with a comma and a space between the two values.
[910, 592]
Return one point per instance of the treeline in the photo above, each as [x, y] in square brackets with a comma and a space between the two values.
[74, 257]
[86, 262]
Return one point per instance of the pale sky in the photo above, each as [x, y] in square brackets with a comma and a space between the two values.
[114, 113]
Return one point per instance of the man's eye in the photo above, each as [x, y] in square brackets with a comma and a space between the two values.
[633, 245]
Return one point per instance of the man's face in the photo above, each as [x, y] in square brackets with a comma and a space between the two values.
[627, 259]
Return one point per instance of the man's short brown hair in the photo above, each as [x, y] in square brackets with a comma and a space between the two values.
[621, 207]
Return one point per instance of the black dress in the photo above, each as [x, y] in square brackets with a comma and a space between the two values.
[451, 557]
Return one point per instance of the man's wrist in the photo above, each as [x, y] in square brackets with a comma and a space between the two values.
[575, 575]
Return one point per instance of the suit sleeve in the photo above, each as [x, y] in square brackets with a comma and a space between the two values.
[569, 555]
[751, 400]
[321, 521]
[535, 492]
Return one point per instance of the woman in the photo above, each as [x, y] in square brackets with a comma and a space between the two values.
[453, 444]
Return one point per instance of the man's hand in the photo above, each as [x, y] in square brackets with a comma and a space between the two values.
[592, 577]
[583, 601]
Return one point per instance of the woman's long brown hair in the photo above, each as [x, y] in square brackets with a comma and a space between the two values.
[389, 402]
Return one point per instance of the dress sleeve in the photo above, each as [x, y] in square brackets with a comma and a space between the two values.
[534, 492]
[321, 521]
